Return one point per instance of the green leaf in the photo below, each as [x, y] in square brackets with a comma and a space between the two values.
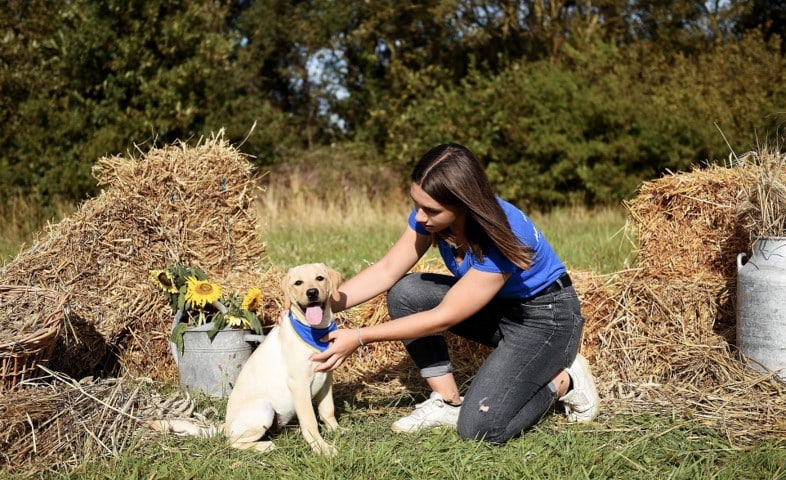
[254, 321]
[218, 323]
[199, 273]
[181, 298]
[177, 336]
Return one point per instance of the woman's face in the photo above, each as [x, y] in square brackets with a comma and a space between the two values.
[434, 216]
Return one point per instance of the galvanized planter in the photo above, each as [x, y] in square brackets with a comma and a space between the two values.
[211, 367]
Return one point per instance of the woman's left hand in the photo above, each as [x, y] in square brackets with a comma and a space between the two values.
[342, 343]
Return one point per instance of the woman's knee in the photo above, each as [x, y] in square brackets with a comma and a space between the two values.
[415, 292]
[402, 290]
[469, 429]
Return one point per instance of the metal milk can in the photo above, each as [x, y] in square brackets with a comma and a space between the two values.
[761, 305]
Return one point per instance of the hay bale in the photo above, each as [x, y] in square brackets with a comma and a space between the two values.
[686, 223]
[661, 326]
[598, 298]
[192, 205]
[669, 343]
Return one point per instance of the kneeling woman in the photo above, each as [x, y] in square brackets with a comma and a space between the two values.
[508, 290]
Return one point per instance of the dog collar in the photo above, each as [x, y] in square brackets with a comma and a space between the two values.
[312, 335]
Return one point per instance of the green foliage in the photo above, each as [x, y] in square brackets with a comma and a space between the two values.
[591, 128]
[96, 78]
[564, 102]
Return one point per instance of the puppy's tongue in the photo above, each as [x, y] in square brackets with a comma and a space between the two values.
[314, 315]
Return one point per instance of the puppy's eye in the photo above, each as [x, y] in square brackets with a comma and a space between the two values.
[320, 278]
[298, 283]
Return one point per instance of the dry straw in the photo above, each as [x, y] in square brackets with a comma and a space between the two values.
[59, 424]
[670, 342]
[192, 205]
[762, 210]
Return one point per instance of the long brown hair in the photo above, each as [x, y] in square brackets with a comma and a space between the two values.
[451, 175]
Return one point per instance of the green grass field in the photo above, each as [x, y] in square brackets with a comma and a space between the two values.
[350, 237]
[638, 445]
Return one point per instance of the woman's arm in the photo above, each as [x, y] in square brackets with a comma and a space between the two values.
[380, 276]
[471, 293]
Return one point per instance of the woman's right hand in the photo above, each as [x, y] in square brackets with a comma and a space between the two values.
[343, 342]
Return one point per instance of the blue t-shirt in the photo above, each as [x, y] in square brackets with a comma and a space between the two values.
[545, 269]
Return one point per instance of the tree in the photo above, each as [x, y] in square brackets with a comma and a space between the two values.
[768, 16]
[106, 75]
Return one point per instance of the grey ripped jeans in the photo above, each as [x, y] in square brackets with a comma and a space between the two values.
[533, 341]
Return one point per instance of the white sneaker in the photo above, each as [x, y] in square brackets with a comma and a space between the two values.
[434, 412]
[582, 402]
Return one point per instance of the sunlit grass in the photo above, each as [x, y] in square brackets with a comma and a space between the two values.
[347, 233]
[589, 239]
[635, 447]
[23, 219]
[350, 235]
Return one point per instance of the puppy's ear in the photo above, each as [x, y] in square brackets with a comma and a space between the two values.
[335, 280]
[285, 291]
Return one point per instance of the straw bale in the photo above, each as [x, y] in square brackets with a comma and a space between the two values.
[598, 297]
[670, 341]
[660, 327]
[177, 203]
[686, 223]
[383, 367]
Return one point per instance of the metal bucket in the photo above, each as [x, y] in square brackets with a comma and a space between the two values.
[212, 367]
[761, 306]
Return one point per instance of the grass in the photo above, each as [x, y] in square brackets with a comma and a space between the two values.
[640, 447]
[593, 240]
[349, 235]
[353, 234]
[23, 218]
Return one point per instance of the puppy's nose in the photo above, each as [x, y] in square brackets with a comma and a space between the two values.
[312, 294]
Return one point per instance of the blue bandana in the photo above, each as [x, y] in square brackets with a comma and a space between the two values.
[312, 335]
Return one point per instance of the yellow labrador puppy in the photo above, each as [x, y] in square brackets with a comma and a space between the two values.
[278, 382]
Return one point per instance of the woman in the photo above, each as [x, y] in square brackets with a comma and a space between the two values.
[508, 290]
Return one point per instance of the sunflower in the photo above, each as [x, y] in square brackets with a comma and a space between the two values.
[234, 321]
[253, 300]
[164, 280]
[201, 292]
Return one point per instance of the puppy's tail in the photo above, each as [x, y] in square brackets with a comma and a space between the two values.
[184, 427]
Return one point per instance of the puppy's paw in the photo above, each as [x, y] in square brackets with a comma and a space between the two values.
[264, 446]
[332, 426]
[324, 448]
